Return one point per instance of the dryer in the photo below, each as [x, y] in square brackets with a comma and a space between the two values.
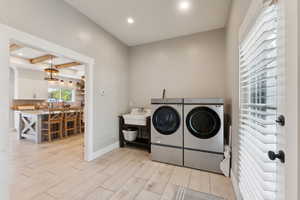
[204, 133]
[167, 131]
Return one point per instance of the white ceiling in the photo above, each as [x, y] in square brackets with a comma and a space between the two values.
[28, 53]
[154, 19]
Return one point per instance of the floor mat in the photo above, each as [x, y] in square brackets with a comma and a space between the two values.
[187, 194]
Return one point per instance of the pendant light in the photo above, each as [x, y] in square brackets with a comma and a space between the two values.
[51, 72]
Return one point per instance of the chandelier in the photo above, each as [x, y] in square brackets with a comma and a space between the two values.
[51, 73]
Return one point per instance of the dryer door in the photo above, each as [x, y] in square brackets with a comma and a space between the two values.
[166, 120]
[203, 122]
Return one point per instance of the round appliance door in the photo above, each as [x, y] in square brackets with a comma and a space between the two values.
[203, 122]
[166, 120]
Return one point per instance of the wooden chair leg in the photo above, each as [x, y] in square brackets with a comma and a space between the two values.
[66, 128]
[49, 132]
[75, 127]
[61, 130]
[79, 127]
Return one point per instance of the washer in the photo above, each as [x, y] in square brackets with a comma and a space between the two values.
[167, 131]
[204, 133]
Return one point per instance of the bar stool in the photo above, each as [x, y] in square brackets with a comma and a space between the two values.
[53, 125]
[70, 121]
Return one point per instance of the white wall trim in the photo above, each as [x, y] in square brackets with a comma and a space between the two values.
[105, 150]
[12, 34]
[235, 186]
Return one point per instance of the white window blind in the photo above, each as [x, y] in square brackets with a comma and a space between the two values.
[258, 106]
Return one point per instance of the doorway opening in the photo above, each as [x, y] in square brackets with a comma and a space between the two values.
[47, 96]
[14, 39]
[64, 105]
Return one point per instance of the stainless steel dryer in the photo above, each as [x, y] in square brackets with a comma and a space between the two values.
[167, 131]
[203, 133]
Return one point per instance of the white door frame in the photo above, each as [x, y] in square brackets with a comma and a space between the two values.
[291, 11]
[10, 34]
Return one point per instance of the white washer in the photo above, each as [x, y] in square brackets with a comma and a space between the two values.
[204, 133]
[167, 131]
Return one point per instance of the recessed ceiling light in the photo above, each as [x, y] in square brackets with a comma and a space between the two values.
[184, 5]
[130, 20]
[20, 54]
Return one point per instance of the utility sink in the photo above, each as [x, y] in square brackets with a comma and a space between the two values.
[137, 116]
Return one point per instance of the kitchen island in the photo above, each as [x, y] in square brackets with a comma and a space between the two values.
[30, 123]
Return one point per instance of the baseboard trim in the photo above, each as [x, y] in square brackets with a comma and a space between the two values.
[235, 186]
[105, 150]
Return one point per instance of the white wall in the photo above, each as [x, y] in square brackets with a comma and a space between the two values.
[25, 79]
[292, 98]
[58, 22]
[4, 113]
[26, 84]
[298, 91]
[11, 97]
[191, 66]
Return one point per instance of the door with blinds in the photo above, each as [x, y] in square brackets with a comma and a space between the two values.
[261, 141]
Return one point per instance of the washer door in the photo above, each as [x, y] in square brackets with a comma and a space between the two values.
[203, 122]
[166, 120]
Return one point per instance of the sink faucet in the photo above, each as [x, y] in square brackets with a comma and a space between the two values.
[164, 93]
[142, 109]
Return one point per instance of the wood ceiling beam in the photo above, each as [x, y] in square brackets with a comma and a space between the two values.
[41, 59]
[66, 65]
[14, 47]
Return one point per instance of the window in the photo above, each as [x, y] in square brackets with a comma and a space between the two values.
[66, 94]
[61, 95]
[258, 106]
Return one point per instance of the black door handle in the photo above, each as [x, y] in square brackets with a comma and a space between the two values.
[280, 120]
[272, 155]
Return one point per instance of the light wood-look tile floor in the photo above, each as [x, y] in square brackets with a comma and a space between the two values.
[56, 171]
